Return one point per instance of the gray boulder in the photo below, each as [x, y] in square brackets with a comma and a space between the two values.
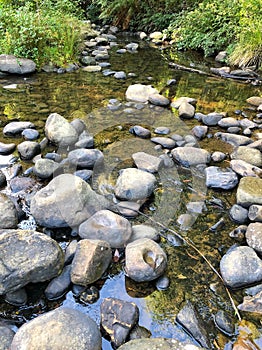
[140, 92]
[27, 257]
[92, 258]
[223, 178]
[7, 148]
[212, 119]
[165, 142]
[228, 122]
[62, 328]
[240, 267]
[255, 213]
[14, 65]
[85, 158]
[190, 156]
[244, 169]
[186, 110]
[145, 260]
[59, 285]
[66, 201]
[200, 131]
[143, 231]
[45, 168]
[28, 150]
[134, 184]
[59, 131]
[235, 140]
[158, 100]
[8, 212]
[108, 226]
[249, 191]
[238, 214]
[254, 236]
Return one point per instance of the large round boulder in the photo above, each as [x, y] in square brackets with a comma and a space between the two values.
[27, 257]
[63, 328]
[134, 184]
[66, 201]
[59, 131]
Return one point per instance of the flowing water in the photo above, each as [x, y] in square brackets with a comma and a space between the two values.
[86, 95]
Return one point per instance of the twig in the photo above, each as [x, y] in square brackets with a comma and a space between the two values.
[192, 245]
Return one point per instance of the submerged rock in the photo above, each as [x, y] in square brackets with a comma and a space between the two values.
[62, 328]
[190, 156]
[27, 256]
[147, 162]
[28, 149]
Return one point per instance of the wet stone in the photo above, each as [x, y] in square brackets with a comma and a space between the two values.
[30, 134]
[128, 209]
[162, 130]
[238, 233]
[17, 298]
[158, 343]
[249, 191]
[45, 168]
[235, 140]
[85, 158]
[28, 150]
[252, 304]
[79, 125]
[238, 214]
[190, 156]
[120, 75]
[147, 162]
[140, 131]
[118, 317]
[234, 130]
[2, 179]
[89, 295]
[228, 122]
[165, 142]
[250, 155]
[59, 285]
[139, 92]
[23, 184]
[162, 283]
[255, 213]
[7, 148]
[143, 231]
[8, 213]
[84, 174]
[186, 110]
[254, 236]
[70, 251]
[212, 119]
[223, 178]
[16, 128]
[190, 319]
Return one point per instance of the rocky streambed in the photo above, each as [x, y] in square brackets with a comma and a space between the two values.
[116, 195]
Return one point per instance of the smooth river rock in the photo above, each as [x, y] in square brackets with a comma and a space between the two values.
[28, 149]
[27, 256]
[134, 184]
[254, 236]
[249, 191]
[66, 201]
[6, 337]
[145, 260]
[16, 128]
[223, 178]
[190, 156]
[108, 226]
[85, 158]
[147, 162]
[59, 131]
[62, 328]
[241, 267]
[245, 169]
[250, 155]
[140, 92]
[14, 65]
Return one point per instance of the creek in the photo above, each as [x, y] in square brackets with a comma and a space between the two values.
[86, 95]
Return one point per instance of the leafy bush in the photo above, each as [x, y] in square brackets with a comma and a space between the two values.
[43, 31]
[211, 26]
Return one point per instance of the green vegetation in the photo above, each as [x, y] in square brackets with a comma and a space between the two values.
[46, 31]
[50, 31]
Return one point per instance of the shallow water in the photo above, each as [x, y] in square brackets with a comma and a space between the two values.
[86, 95]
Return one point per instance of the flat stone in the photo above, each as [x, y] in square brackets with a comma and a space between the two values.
[165, 142]
[24, 184]
[92, 69]
[143, 231]
[245, 169]
[16, 298]
[255, 100]
[7, 148]
[228, 122]
[120, 75]
[30, 134]
[249, 191]
[223, 178]
[176, 104]
[85, 158]
[162, 130]
[190, 156]
[16, 128]
[147, 162]
[235, 140]
[59, 285]
[91, 259]
[62, 328]
[250, 155]
[252, 304]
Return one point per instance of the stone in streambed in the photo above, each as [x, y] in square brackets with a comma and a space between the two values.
[255, 213]
[118, 317]
[7, 148]
[27, 257]
[186, 110]
[190, 156]
[235, 140]
[145, 260]
[62, 328]
[139, 92]
[250, 155]
[108, 226]
[45, 168]
[16, 128]
[147, 162]
[28, 150]
[249, 191]
[158, 100]
[165, 142]
[8, 212]
[30, 134]
[241, 267]
[59, 131]
[92, 258]
[134, 184]
[223, 178]
[85, 158]
[143, 231]
[238, 214]
[59, 285]
[252, 304]
[140, 131]
[212, 119]
[66, 201]
[245, 169]
[16, 65]
[156, 344]
[200, 131]
[6, 336]
[254, 236]
[17, 298]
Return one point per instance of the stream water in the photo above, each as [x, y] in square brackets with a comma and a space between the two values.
[86, 95]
